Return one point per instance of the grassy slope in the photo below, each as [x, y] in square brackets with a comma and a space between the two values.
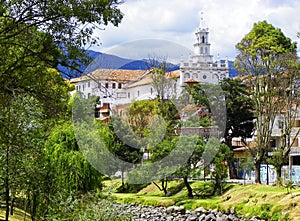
[18, 215]
[267, 202]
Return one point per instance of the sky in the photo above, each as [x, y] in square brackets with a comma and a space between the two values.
[175, 21]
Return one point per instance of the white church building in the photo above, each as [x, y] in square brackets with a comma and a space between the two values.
[120, 87]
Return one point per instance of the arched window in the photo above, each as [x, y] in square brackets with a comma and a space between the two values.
[195, 75]
[203, 39]
[187, 76]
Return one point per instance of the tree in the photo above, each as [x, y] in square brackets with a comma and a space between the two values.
[240, 118]
[22, 120]
[288, 98]
[186, 169]
[257, 60]
[70, 24]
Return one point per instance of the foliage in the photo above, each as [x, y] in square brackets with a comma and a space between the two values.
[258, 58]
[218, 165]
[68, 24]
[69, 168]
[86, 207]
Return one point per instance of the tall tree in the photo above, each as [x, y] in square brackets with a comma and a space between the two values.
[257, 60]
[240, 117]
[288, 98]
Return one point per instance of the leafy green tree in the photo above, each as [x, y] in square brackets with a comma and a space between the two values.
[240, 117]
[23, 116]
[257, 60]
[71, 25]
[219, 166]
[186, 169]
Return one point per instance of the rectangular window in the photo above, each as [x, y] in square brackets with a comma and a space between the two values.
[113, 85]
[83, 87]
[106, 85]
[128, 95]
[89, 84]
[119, 85]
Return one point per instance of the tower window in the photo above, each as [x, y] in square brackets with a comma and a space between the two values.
[203, 39]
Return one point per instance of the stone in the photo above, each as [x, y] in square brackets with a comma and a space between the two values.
[192, 218]
[179, 209]
[200, 210]
[170, 209]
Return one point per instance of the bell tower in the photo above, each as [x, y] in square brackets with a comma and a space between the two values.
[202, 45]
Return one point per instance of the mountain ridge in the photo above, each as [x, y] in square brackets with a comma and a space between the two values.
[108, 61]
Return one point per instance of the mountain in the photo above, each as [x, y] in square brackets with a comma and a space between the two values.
[107, 61]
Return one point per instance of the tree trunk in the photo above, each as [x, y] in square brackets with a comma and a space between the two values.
[278, 174]
[6, 199]
[257, 172]
[189, 188]
[164, 184]
[7, 195]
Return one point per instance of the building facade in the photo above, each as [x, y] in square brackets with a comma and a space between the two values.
[119, 87]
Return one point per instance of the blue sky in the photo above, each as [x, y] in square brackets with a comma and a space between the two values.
[177, 20]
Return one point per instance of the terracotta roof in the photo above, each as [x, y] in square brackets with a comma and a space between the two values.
[192, 80]
[112, 75]
[173, 74]
[145, 81]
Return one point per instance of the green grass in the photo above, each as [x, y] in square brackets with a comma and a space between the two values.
[18, 215]
[268, 202]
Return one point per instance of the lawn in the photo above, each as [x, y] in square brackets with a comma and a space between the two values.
[268, 202]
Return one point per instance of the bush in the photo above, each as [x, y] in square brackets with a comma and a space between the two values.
[87, 207]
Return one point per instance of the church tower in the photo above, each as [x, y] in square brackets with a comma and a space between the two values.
[202, 45]
[200, 67]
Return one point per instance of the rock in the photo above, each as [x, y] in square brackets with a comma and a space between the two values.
[192, 218]
[170, 209]
[200, 210]
[232, 210]
[179, 209]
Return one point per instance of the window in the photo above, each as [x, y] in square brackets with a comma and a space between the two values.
[203, 39]
[83, 87]
[89, 95]
[113, 85]
[119, 85]
[280, 124]
[128, 94]
[89, 84]
[106, 85]
[151, 91]
[204, 77]
[138, 93]
[186, 75]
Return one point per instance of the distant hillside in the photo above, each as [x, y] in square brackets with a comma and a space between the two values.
[107, 61]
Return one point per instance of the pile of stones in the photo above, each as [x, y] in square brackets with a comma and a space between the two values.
[179, 213]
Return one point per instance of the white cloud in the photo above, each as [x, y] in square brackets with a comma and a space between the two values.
[177, 20]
